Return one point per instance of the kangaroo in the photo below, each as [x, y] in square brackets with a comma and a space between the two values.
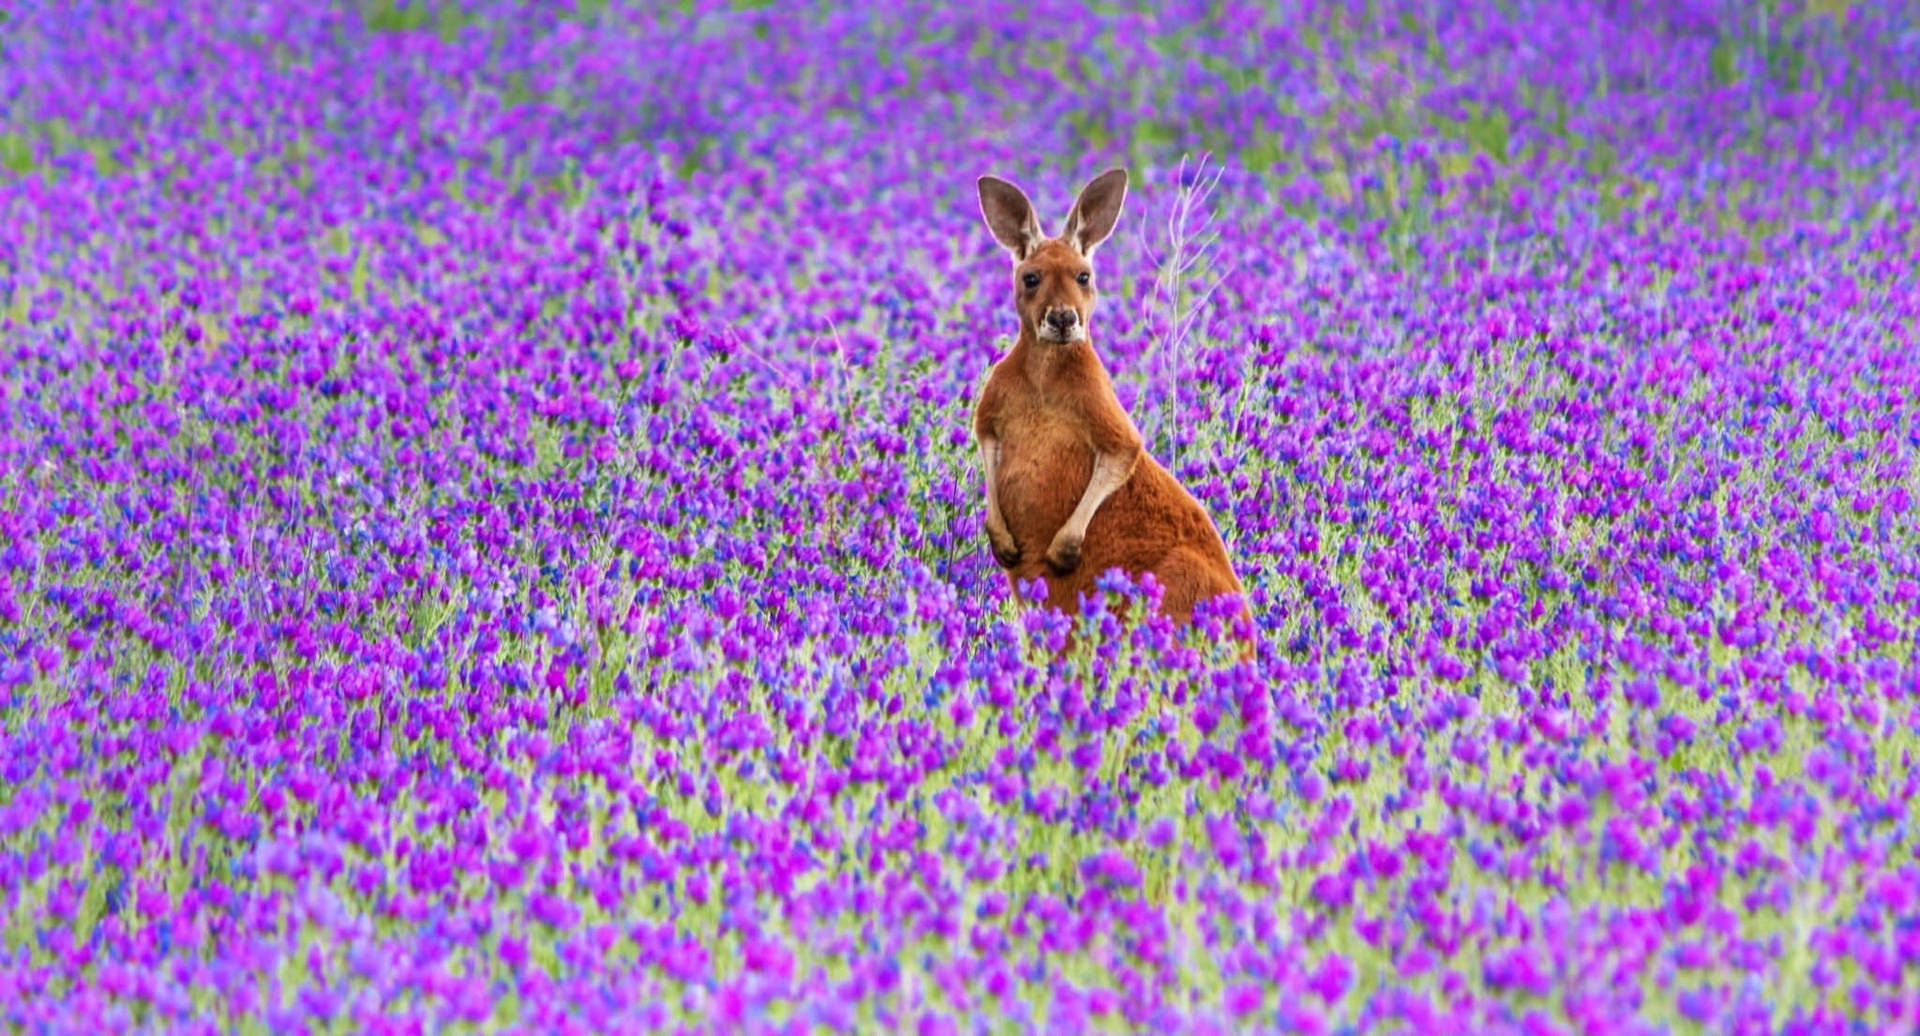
[1071, 491]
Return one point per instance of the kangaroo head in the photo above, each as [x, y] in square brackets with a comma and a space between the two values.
[1053, 277]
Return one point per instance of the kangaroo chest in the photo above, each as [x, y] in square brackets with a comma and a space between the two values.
[1046, 459]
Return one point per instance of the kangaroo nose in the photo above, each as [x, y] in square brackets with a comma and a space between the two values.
[1063, 319]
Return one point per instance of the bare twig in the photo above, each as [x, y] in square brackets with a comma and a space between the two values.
[1190, 236]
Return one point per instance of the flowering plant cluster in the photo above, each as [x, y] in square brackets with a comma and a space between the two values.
[490, 539]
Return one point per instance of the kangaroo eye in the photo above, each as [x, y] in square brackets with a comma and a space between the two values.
[1085, 279]
[1031, 280]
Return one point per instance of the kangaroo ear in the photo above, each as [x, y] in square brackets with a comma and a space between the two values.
[1096, 211]
[1010, 216]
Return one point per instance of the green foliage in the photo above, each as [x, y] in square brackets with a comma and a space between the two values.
[445, 18]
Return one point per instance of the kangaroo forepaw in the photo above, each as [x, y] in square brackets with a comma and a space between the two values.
[1064, 554]
[1005, 550]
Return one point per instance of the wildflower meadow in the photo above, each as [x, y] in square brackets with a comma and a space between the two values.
[491, 537]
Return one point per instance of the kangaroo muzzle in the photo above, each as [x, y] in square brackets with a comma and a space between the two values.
[1062, 323]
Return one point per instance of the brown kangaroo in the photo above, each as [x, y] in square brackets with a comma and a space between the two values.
[1071, 492]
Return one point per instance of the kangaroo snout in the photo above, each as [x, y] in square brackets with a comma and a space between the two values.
[1062, 319]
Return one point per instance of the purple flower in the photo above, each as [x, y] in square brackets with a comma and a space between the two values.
[1110, 868]
[552, 911]
[1246, 998]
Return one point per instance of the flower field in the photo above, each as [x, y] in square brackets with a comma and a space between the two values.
[491, 539]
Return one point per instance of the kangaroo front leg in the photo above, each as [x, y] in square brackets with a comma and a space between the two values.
[1110, 472]
[1005, 550]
